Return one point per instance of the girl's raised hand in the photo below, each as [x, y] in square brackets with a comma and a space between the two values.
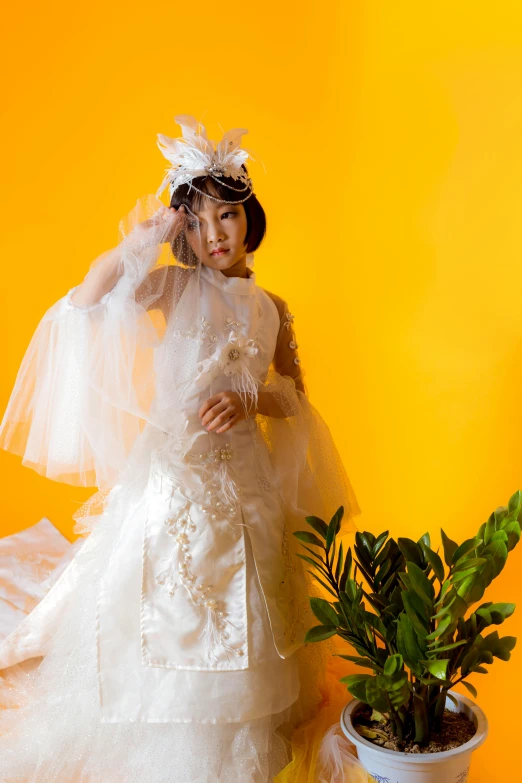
[163, 226]
[221, 411]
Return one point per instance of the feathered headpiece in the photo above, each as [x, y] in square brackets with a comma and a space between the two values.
[194, 155]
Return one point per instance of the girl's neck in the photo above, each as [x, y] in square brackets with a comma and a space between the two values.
[239, 269]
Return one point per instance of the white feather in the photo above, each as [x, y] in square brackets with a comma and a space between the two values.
[192, 155]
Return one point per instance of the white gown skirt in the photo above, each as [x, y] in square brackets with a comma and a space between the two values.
[50, 728]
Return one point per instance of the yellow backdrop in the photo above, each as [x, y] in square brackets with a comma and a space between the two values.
[397, 122]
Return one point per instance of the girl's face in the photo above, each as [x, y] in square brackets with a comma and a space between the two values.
[216, 226]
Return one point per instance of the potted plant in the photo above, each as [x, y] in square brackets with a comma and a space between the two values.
[406, 611]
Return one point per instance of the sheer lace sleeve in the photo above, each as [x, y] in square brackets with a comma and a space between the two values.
[286, 359]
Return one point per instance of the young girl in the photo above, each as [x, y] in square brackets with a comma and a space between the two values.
[172, 643]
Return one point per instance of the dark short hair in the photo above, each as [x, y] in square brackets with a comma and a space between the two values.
[255, 214]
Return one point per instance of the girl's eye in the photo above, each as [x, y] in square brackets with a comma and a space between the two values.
[193, 225]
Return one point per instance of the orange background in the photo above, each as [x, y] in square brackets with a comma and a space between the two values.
[390, 134]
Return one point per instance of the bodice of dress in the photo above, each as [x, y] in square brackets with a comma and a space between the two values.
[206, 489]
[234, 340]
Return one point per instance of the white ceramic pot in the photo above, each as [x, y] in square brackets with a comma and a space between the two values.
[390, 766]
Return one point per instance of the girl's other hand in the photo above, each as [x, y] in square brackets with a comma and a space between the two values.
[222, 411]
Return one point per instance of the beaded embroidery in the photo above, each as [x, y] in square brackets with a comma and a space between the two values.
[220, 503]
[178, 573]
[203, 333]
[289, 318]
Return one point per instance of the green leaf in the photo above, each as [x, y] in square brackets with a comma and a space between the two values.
[490, 528]
[449, 598]
[410, 550]
[385, 553]
[450, 548]
[393, 664]
[408, 644]
[512, 529]
[340, 560]
[471, 688]
[382, 574]
[346, 570]
[420, 583]
[495, 614]
[374, 622]
[458, 608]
[421, 626]
[324, 612]
[379, 542]
[472, 588]
[499, 535]
[435, 562]
[334, 527]
[364, 550]
[467, 546]
[497, 551]
[500, 515]
[468, 563]
[443, 590]
[453, 699]
[319, 632]
[441, 629]
[500, 647]
[356, 684]
[375, 696]
[458, 577]
[515, 503]
[308, 538]
[471, 657]
[318, 525]
[424, 541]
[437, 667]
[447, 646]
[317, 556]
[366, 662]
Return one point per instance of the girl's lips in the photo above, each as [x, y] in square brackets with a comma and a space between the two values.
[219, 252]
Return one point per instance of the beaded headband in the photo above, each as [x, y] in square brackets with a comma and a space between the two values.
[194, 155]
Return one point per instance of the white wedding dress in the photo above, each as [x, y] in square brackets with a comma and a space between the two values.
[171, 645]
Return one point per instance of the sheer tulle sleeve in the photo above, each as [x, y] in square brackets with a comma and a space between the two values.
[55, 420]
[46, 421]
[86, 387]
